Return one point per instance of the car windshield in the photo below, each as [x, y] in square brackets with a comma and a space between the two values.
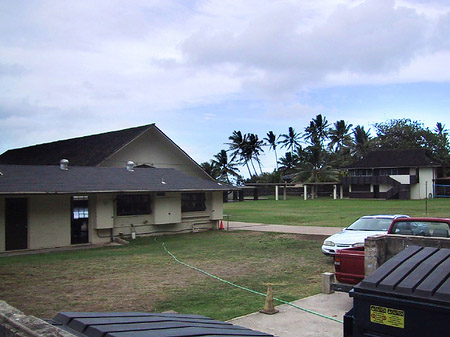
[371, 224]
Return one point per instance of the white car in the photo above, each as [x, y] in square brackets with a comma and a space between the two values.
[355, 234]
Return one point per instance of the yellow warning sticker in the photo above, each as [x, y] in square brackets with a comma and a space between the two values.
[387, 316]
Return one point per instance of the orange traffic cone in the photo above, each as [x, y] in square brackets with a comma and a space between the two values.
[221, 225]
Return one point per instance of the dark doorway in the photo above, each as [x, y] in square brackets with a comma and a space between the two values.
[80, 219]
[16, 223]
[376, 191]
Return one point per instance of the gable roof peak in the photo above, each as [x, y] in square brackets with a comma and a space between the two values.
[88, 150]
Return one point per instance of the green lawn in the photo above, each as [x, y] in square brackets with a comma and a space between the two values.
[328, 212]
[143, 277]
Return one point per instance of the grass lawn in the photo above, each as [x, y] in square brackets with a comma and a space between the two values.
[143, 277]
[328, 212]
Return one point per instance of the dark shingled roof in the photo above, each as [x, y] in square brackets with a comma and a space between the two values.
[81, 151]
[42, 179]
[395, 158]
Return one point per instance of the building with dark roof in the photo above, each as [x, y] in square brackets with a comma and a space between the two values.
[392, 174]
[117, 184]
[144, 145]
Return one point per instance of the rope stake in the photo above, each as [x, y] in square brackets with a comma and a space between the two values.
[248, 289]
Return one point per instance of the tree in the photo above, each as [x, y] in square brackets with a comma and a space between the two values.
[210, 168]
[340, 143]
[316, 134]
[271, 140]
[361, 142]
[307, 173]
[340, 136]
[224, 168]
[254, 147]
[290, 140]
[317, 131]
[288, 163]
[403, 134]
[239, 148]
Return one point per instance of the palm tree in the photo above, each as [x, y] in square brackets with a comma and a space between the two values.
[361, 142]
[254, 148]
[210, 169]
[271, 140]
[239, 148]
[317, 131]
[290, 140]
[224, 167]
[440, 129]
[307, 173]
[340, 136]
[288, 163]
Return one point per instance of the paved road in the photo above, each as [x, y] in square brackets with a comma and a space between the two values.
[302, 230]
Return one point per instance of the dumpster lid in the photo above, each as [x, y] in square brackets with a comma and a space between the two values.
[416, 272]
[141, 324]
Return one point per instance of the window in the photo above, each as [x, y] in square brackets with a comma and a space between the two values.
[423, 228]
[133, 204]
[361, 188]
[193, 202]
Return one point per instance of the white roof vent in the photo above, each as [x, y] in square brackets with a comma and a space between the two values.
[64, 164]
[130, 166]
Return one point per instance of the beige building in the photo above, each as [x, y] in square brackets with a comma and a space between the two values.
[101, 197]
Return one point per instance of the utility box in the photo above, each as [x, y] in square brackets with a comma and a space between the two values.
[409, 295]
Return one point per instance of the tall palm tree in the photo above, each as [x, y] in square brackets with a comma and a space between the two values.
[290, 140]
[224, 167]
[317, 131]
[340, 136]
[361, 142]
[239, 149]
[254, 148]
[271, 140]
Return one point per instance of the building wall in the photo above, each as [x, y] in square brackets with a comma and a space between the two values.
[2, 223]
[153, 148]
[48, 221]
[425, 185]
[49, 218]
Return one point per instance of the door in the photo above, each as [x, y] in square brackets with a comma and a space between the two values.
[80, 220]
[376, 191]
[16, 223]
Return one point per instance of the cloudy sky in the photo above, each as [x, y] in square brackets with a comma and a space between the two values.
[201, 69]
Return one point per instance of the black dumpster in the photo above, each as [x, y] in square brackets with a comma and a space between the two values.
[409, 295]
[141, 324]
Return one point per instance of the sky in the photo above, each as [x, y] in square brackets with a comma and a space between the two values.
[202, 69]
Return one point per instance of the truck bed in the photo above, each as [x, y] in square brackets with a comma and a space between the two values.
[349, 265]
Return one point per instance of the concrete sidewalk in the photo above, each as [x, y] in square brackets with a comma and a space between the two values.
[293, 322]
[317, 231]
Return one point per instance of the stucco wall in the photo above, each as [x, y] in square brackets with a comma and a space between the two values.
[425, 185]
[154, 149]
[48, 221]
[2, 224]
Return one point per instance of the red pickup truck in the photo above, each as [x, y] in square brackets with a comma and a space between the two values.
[349, 262]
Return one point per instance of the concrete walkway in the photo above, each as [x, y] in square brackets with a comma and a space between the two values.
[314, 231]
[293, 322]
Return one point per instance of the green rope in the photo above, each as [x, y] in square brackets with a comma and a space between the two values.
[248, 289]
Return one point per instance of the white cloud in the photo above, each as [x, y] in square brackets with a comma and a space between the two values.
[78, 67]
